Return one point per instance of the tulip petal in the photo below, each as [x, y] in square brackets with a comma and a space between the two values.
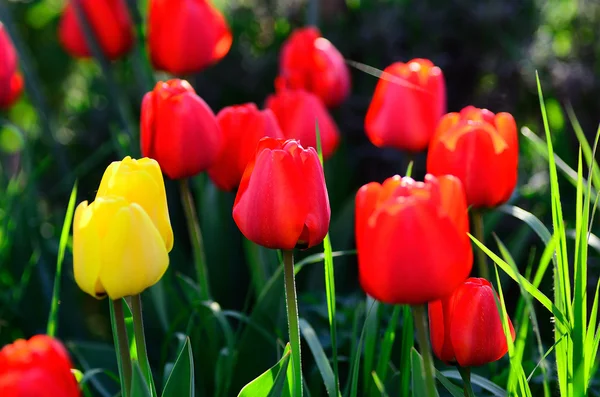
[133, 252]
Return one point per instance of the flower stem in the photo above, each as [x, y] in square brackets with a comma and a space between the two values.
[122, 344]
[420, 317]
[140, 339]
[195, 238]
[465, 374]
[292, 315]
[479, 235]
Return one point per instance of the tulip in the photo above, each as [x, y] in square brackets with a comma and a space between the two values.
[412, 239]
[11, 81]
[298, 112]
[409, 100]
[482, 150]
[282, 200]
[466, 328]
[179, 130]
[37, 367]
[186, 36]
[109, 21]
[242, 127]
[311, 62]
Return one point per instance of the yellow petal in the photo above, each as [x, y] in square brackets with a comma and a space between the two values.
[141, 182]
[89, 230]
[133, 253]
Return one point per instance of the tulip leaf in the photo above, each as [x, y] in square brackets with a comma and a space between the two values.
[181, 380]
[451, 387]
[408, 341]
[139, 388]
[319, 354]
[379, 384]
[478, 380]
[272, 381]
[418, 382]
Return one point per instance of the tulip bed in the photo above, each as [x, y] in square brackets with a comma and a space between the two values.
[204, 253]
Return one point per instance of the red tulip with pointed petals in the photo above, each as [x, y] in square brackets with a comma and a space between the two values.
[11, 81]
[282, 200]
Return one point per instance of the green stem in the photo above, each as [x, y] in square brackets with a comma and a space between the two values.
[293, 323]
[465, 374]
[420, 317]
[479, 235]
[140, 339]
[122, 343]
[195, 238]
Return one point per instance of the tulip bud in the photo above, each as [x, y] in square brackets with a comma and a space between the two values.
[298, 112]
[37, 367]
[466, 328]
[282, 199]
[179, 130]
[11, 81]
[409, 100]
[109, 21]
[186, 36]
[241, 127]
[411, 239]
[311, 62]
[479, 148]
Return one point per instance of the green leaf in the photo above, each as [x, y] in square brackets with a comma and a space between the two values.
[139, 388]
[62, 246]
[408, 342]
[11, 139]
[478, 380]
[356, 358]
[271, 381]
[181, 380]
[451, 387]
[416, 366]
[385, 352]
[379, 384]
[371, 339]
[534, 223]
[319, 354]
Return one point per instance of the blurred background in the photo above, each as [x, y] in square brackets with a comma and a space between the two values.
[75, 117]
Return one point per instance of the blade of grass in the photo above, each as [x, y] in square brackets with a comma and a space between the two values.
[385, 352]
[371, 339]
[408, 343]
[62, 246]
[585, 146]
[319, 355]
[478, 380]
[536, 225]
[356, 359]
[454, 390]
[379, 384]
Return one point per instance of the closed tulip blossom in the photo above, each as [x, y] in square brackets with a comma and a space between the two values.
[298, 112]
[481, 148]
[409, 100]
[242, 127]
[11, 81]
[411, 239]
[179, 130]
[186, 36]
[38, 367]
[466, 328]
[282, 200]
[311, 62]
[121, 240]
[109, 22]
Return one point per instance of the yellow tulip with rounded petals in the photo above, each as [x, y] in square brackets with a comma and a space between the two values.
[117, 249]
[141, 182]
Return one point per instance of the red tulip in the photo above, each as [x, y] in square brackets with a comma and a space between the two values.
[37, 367]
[108, 19]
[412, 239]
[482, 150]
[242, 127]
[311, 62]
[409, 100]
[11, 81]
[179, 130]
[282, 199]
[466, 328]
[297, 112]
[186, 36]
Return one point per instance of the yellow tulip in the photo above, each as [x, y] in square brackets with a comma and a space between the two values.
[117, 250]
[141, 182]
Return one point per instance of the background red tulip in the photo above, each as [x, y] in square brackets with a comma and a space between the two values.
[409, 100]
[466, 328]
[11, 82]
[110, 22]
[186, 36]
[311, 62]
[37, 367]
[179, 130]
[412, 239]
[482, 150]
[297, 112]
[241, 127]
[282, 200]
